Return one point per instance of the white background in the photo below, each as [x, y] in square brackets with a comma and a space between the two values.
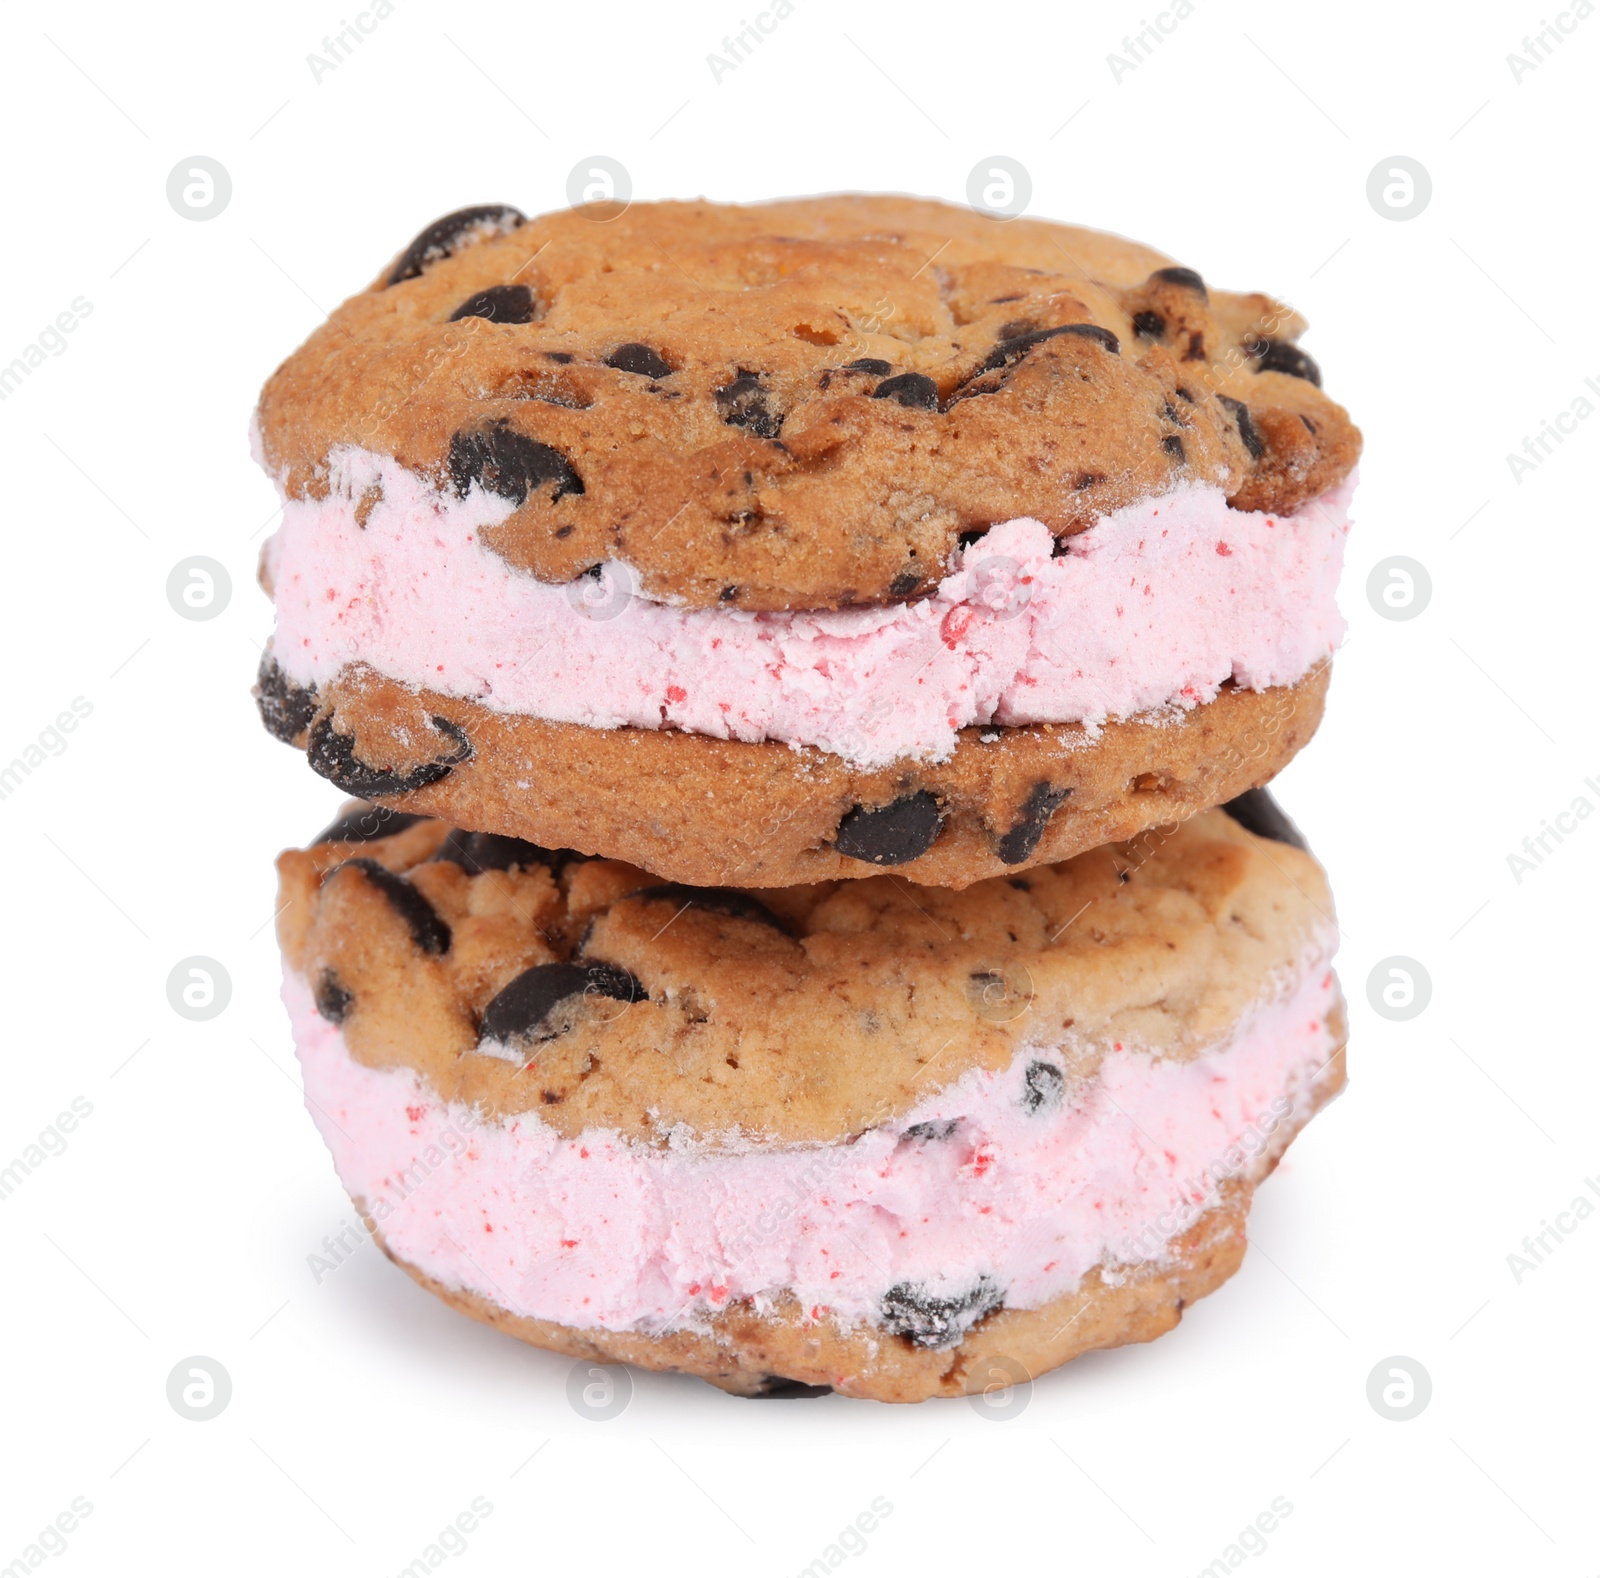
[364, 1416]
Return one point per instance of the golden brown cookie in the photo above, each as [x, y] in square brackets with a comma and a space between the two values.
[849, 1134]
[709, 811]
[801, 404]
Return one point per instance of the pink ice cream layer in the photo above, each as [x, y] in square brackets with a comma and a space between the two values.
[1010, 1185]
[1153, 608]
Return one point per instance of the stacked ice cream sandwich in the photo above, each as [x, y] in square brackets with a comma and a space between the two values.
[811, 915]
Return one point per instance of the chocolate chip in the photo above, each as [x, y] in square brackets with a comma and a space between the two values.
[727, 594]
[561, 358]
[1042, 1085]
[427, 927]
[286, 708]
[1009, 351]
[1279, 356]
[636, 358]
[1173, 445]
[361, 827]
[333, 1000]
[1247, 428]
[715, 901]
[1257, 812]
[931, 1320]
[1185, 277]
[915, 391]
[525, 1011]
[499, 304]
[890, 835]
[445, 237]
[905, 583]
[1023, 838]
[503, 461]
[743, 403]
[933, 1130]
[1149, 325]
[334, 756]
[868, 364]
[477, 853]
[781, 1386]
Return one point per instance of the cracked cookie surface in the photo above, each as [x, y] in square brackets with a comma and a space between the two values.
[803, 404]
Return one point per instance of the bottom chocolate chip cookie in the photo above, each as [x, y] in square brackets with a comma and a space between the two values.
[697, 809]
[848, 1135]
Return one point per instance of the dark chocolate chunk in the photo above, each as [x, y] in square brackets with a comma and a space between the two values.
[332, 999]
[503, 461]
[477, 853]
[1042, 1085]
[525, 1011]
[931, 1320]
[1013, 350]
[743, 403]
[1257, 812]
[636, 358]
[286, 708]
[1173, 445]
[334, 756]
[905, 583]
[1028, 829]
[427, 927]
[445, 237]
[1149, 325]
[868, 364]
[1247, 428]
[499, 304]
[890, 835]
[1185, 277]
[915, 391]
[1279, 356]
[715, 901]
[781, 1386]
[932, 1130]
[361, 827]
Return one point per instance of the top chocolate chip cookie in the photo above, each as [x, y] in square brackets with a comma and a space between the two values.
[805, 404]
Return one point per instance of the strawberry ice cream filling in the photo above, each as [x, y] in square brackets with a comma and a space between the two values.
[1008, 1187]
[1154, 608]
